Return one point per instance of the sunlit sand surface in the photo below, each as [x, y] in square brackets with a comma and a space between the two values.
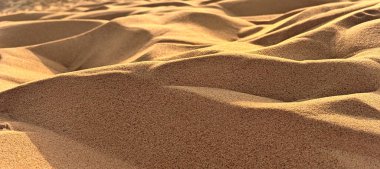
[190, 84]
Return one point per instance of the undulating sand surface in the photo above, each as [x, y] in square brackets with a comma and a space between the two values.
[192, 84]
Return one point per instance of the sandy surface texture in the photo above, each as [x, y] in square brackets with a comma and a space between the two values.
[192, 84]
[12, 6]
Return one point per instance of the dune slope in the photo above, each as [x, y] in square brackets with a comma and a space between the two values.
[192, 84]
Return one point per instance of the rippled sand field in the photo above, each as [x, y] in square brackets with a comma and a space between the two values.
[191, 84]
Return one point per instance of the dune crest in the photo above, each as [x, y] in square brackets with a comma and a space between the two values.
[192, 84]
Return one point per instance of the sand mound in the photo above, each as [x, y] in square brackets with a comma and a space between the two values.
[192, 84]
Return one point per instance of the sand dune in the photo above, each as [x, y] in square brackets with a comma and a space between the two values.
[192, 84]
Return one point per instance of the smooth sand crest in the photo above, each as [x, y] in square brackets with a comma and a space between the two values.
[192, 84]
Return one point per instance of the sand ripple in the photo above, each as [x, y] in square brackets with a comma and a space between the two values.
[192, 84]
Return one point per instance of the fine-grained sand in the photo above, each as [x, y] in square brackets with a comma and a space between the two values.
[192, 84]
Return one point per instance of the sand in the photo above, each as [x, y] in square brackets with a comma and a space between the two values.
[192, 84]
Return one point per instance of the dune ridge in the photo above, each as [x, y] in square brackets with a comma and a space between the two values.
[192, 84]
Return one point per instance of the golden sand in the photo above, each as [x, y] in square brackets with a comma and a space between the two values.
[192, 84]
